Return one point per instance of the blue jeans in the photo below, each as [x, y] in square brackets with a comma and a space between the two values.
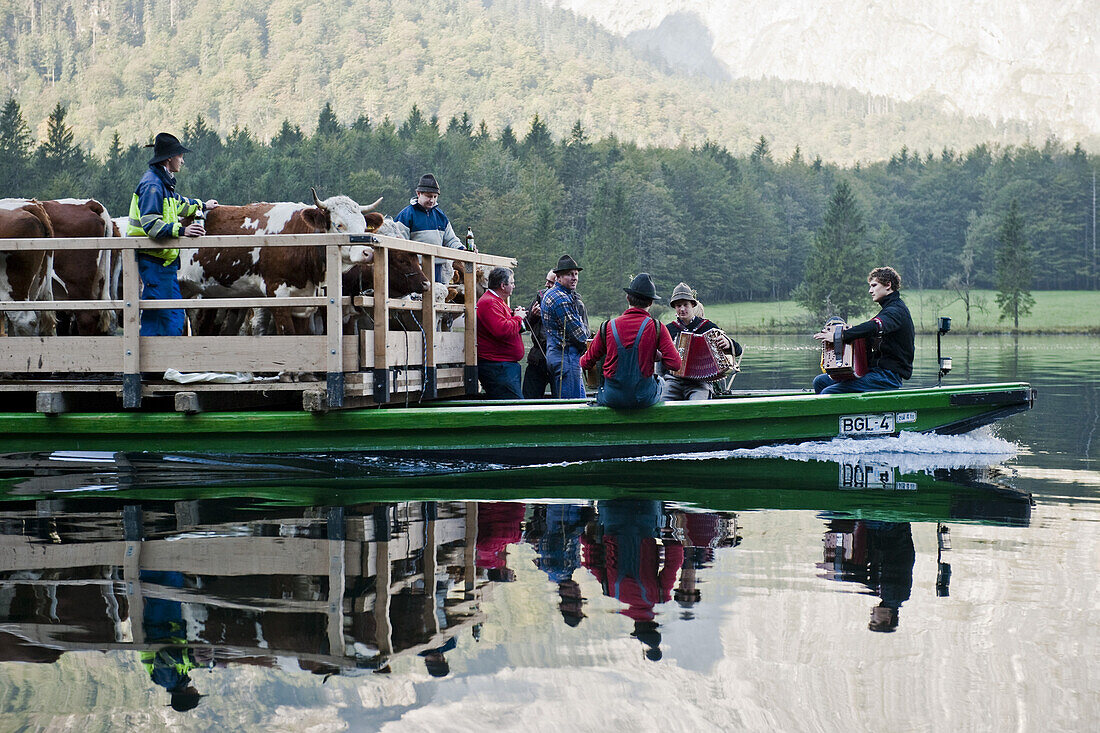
[500, 379]
[875, 380]
[159, 283]
[566, 380]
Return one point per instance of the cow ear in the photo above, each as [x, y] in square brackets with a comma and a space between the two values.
[316, 218]
[374, 220]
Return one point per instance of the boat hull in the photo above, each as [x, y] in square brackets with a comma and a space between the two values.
[527, 431]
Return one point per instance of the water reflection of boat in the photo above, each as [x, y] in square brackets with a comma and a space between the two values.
[854, 487]
[343, 566]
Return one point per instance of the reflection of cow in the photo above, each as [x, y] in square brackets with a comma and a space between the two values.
[274, 271]
[84, 274]
[26, 275]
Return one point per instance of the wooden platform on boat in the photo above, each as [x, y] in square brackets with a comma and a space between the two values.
[333, 370]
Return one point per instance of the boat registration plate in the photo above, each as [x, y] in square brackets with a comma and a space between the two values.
[880, 424]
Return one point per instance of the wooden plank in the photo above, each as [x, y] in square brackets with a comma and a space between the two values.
[381, 323]
[265, 302]
[44, 354]
[131, 332]
[66, 305]
[249, 241]
[458, 255]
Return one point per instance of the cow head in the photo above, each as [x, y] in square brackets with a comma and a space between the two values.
[406, 275]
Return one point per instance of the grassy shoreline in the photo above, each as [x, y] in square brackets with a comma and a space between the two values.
[1054, 312]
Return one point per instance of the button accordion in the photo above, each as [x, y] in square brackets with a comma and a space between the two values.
[841, 360]
[702, 357]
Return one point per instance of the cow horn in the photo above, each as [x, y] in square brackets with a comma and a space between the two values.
[317, 200]
[372, 207]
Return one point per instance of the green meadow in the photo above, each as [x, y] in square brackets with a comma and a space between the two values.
[1055, 311]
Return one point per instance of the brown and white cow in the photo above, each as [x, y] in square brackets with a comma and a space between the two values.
[274, 271]
[84, 274]
[26, 275]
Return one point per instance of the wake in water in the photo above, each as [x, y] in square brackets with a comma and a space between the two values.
[909, 452]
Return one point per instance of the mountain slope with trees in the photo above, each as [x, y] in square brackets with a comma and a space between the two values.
[138, 66]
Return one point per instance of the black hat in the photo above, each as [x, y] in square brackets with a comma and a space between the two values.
[427, 184]
[565, 262]
[165, 146]
[643, 287]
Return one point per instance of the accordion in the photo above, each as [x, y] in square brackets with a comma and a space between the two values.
[702, 357]
[842, 360]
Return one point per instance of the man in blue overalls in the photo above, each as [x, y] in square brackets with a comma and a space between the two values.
[628, 379]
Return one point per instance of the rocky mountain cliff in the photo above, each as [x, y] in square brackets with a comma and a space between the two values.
[1036, 60]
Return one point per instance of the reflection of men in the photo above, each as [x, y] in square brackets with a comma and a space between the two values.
[426, 221]
[565, 321]
[168, 666]
[880, 555]
[554, 531]
[536, 377]
[889, 336]
[681, 388]
[628, 563]
[499, 344]
[631, 343]
[155, 212]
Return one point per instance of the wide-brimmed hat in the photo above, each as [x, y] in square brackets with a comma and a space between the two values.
[683, 292]
[642, 286]
[164, 146]
[427, 184]
[565, 262]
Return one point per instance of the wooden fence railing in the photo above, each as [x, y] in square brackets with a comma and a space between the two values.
[376, 353]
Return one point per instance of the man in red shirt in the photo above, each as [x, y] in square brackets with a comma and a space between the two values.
[631, 344]
[499, 344]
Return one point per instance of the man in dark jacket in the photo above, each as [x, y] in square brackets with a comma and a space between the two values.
[536, 377]
[889, 335]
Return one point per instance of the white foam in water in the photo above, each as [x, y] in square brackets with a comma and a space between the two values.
[908, 451]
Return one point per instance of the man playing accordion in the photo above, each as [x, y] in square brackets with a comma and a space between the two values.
[682, 387]
[890, 338]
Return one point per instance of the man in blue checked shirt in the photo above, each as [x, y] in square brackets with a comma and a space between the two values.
[565, 320]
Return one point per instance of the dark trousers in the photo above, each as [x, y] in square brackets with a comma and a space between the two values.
[875, 380]
[536, 378]
[159, 283]
[499, 379]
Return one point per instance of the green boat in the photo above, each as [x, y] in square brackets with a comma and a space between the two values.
[525, 432]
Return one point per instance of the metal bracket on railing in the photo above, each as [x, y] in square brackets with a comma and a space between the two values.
[335, 389]
[362, 239]
[470, 379]
[131, 391]
[429, 390]
[381, 385]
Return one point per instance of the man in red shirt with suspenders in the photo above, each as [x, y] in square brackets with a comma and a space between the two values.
[631, 344]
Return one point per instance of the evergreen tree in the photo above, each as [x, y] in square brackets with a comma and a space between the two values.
[538, 141]
[327, 124]
[610, 260]
[1014, 263]
[58, 152]
[762, 151]
[838, 261]
[15, 149]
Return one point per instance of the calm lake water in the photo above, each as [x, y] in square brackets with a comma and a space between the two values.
[924, 583]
